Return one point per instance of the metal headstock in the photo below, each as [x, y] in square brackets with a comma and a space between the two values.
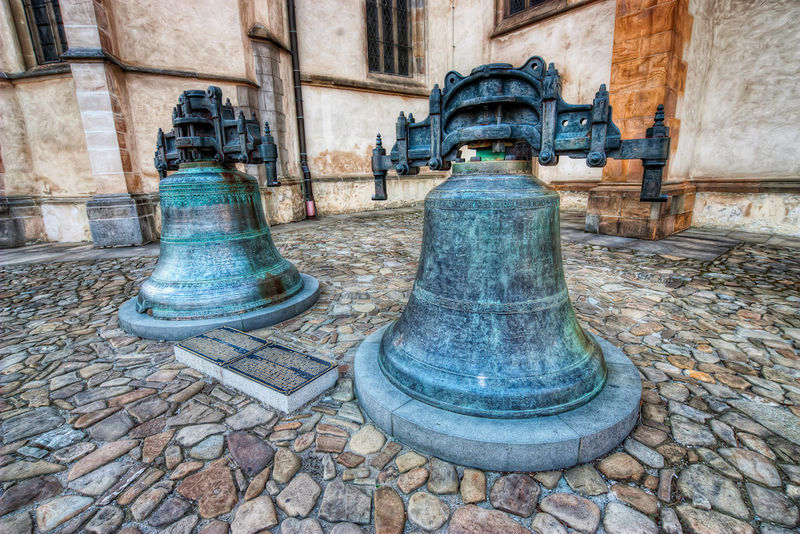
[499, 104]
[206, 129]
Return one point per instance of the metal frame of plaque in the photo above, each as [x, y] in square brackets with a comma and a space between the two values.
[279, 376]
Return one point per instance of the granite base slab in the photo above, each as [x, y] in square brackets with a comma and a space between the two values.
[146, 326]
[529, 444]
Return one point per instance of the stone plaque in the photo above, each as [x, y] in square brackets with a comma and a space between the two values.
[222, 345]
[275, 374]
[280, 368]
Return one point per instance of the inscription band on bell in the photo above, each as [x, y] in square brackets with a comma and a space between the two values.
[487, 204]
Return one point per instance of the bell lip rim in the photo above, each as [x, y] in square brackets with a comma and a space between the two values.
[501, 414]
[148, 327]
[286, 295]
[496, 414]
[278, 270]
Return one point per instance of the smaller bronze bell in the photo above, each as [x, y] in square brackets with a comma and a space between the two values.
[218, 264]
[217, 256]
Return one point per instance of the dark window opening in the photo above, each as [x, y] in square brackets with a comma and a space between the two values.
[518, 6]
[46, 29]
[389, 36]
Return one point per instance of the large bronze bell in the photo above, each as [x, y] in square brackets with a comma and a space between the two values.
[218, 264]
[487, 365]
[489, 329]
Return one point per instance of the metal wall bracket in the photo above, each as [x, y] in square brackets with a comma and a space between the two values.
[205, 129]
[498, 103]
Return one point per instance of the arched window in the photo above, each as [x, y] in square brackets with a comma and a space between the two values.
[46, 30]
[389, 36]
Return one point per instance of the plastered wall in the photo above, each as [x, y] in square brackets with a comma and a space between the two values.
[44, 149]
[332, 38]
[739, 112]
[43, 137]
[342, 123]
[151, 101]
[748, 53]
[195, 35]
[771, 213]
[44, 157]
[340, 196]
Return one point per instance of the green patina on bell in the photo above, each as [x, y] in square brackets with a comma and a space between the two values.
[489, 329]
[217, 255]
[218, 264]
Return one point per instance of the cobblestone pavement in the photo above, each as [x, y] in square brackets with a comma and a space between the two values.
[103, 432]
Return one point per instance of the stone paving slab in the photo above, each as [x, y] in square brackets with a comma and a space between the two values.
[716, 342]
[694, 243]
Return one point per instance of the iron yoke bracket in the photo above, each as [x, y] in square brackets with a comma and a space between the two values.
[498, 102]
[205, 129]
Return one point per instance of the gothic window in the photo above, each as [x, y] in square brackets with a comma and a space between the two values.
[389, 36]
[46, 29]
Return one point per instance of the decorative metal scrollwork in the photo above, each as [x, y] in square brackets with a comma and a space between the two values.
[205, 129]
[498, 103]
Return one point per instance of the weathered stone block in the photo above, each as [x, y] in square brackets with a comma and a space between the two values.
[121, 220]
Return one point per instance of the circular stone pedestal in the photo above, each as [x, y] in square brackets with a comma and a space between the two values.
[530, 444]
[146, 326]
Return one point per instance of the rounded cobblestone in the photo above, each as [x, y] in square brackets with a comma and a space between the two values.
[104, 432]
